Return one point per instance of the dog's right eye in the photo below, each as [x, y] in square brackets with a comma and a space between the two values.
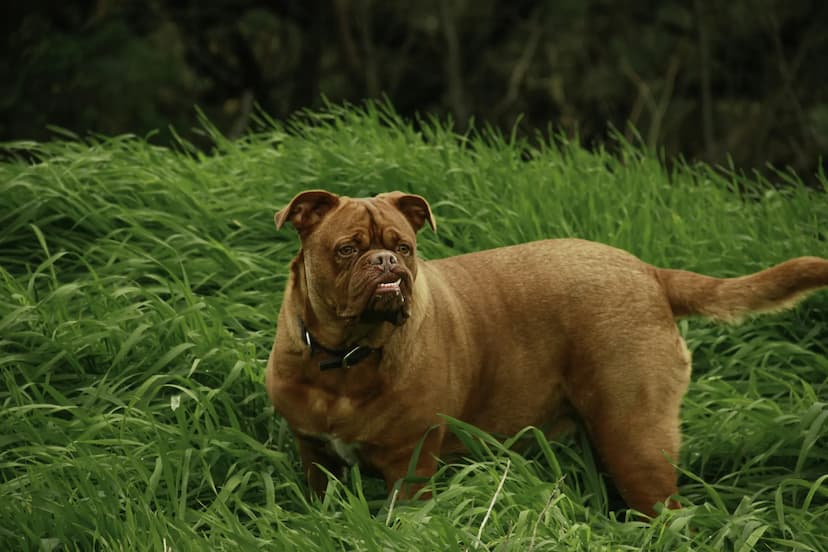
[346, 250]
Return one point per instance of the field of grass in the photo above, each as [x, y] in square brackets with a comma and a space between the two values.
[139, 288]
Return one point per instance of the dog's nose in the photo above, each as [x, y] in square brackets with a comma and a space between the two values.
[384, 260]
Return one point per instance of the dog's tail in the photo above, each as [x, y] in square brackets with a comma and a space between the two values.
[731, 299]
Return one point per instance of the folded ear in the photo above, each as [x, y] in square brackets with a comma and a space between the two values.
[415, 208]
[306, 210]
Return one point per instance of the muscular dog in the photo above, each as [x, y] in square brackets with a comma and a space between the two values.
[374, 344]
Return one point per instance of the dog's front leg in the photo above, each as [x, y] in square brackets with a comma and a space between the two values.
[411, 464]
[315, 457]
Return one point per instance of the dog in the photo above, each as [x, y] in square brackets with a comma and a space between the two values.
[373, 345]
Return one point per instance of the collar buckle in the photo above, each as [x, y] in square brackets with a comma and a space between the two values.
[342, 358]
[346, 358]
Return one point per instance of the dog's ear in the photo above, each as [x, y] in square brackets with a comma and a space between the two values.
[306, 210]
[415, 208]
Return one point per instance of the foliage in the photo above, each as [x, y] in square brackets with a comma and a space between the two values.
[741, 82]
[139, 293]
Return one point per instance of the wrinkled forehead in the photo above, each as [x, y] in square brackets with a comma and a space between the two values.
[370, 220]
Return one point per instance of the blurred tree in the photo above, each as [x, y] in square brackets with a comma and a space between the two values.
[744, 80]
[108, 69]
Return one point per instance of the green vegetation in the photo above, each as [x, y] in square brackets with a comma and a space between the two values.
[140, 287]
[739, 81]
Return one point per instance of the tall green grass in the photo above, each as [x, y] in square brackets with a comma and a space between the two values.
[139, 294]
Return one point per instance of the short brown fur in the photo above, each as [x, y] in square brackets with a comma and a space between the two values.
[534, 334]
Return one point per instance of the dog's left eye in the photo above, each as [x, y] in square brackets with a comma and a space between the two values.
[404, 249]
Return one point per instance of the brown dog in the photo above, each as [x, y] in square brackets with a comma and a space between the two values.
[374, 344]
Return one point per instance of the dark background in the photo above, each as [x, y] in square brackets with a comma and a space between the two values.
[742, 82]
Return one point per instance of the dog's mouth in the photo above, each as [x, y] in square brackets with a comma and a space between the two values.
[386, 288]
[387, 303]
[386, 298]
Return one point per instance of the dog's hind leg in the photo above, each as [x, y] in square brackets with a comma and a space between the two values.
[630, 404]
[638, 453]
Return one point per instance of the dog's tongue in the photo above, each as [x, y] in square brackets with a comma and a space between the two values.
[388, 287]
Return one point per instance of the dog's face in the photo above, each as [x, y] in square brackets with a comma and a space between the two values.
[359, 255]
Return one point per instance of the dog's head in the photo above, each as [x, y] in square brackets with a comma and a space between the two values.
[358, 255]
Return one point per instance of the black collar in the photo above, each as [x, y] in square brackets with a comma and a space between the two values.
[342, 358]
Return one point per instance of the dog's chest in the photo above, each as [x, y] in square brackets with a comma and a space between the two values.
[326, 417]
